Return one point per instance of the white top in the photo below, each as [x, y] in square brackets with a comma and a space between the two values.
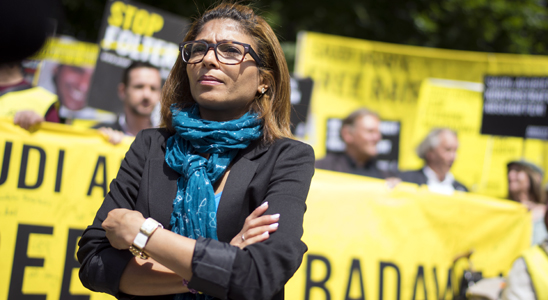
[518, 284]
[437, 186]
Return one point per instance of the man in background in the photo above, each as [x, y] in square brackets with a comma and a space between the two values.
[140, 92]
[438, 150]
[360, 132]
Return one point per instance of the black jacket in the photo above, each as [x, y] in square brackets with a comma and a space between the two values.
[341, 162]
[419, 178]
[279, 173]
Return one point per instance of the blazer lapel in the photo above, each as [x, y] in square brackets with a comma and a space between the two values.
[234, 204]
[163, 181]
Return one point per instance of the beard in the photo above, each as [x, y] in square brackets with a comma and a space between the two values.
[146, 112]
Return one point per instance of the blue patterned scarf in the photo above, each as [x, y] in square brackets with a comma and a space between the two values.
[194, 210]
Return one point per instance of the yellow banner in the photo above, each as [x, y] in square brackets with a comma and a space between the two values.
[52, 182]
[349, 73]
[363, 239]
[481, 159]
[369, 242]
[68, 51]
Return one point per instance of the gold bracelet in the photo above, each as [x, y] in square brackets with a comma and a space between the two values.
[148, 227]
[138, 253]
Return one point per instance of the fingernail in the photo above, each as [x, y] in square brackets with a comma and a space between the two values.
[265, 233]
[275, 225]
[265, 203]
[275, 216]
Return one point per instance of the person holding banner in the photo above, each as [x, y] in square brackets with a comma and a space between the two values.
[439, 151]
[525, 187]
[212, 203]
[527, 279]
[360, 132]
[28, 28]
[28, 105]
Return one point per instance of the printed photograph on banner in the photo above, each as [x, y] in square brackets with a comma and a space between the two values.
[71, 84]
[30, 69]
[129, 32]
[65, 67]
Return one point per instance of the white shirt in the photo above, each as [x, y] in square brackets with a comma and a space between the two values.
[437, 186]
[518, 284]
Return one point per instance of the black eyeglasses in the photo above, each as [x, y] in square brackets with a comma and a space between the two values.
[228, 53]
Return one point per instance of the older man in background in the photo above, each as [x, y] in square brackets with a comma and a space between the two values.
[438, 150]
[360, 132]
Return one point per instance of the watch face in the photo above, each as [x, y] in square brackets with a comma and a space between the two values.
[140, 241]
[149, 226]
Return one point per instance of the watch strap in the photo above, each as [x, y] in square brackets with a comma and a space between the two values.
[147, 229]
[140, 241]
[149, 226]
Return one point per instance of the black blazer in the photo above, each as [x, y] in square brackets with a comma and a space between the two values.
[279, 173]
[419, 178]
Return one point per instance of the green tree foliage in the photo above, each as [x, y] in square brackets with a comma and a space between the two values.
[511, 26]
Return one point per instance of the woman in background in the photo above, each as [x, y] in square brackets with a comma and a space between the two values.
[223, 158]
[525, 186]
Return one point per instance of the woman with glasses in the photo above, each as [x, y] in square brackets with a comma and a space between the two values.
[211, 204]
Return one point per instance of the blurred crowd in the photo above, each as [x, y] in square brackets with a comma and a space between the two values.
[361, 134]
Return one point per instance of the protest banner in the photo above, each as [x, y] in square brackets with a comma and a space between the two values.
[64, 66]
[481, 159]
[65, 69]
[515, 106]
[369, 242]
[349, 73]
[40, 69]
[68, 51]
[131, 31]
[52, 181]
[359, 233]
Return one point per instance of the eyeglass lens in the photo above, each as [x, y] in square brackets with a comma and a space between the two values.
[227, 53]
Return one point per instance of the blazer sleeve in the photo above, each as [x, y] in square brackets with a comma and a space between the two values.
[101, 264]
[261, 270]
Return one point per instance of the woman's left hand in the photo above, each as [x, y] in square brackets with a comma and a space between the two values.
[122, 226]
[257, 227]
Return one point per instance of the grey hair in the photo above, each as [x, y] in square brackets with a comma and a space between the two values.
[431, 141]
[351, 119]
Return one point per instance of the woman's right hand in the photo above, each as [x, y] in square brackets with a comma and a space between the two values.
[122, 226]
[257, 227]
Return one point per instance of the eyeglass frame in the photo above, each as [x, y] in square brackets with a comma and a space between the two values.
[247, 49]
